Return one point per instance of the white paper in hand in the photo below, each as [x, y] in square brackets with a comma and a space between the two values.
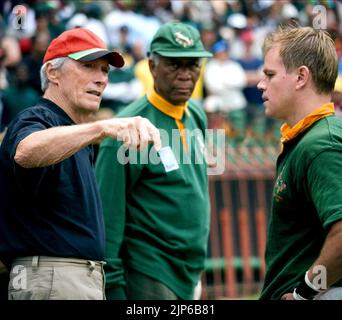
[168, 159]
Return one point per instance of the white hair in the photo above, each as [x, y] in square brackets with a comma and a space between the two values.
[155, 57]
[56, 64]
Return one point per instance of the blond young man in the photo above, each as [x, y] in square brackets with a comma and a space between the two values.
[304, 244]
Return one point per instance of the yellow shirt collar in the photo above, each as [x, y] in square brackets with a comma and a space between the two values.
[173, 111]
[288, 133]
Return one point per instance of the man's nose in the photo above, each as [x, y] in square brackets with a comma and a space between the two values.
[184, 73]
[261, 85]
[101, 78]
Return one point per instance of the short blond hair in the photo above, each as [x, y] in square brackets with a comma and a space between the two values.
[310, 47]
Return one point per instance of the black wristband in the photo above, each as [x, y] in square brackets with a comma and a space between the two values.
[305, 291]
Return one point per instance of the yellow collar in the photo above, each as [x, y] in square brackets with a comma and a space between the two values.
[288, 133]
[175, 112]
[166, 107]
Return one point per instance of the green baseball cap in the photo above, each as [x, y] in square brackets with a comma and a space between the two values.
[175, 39]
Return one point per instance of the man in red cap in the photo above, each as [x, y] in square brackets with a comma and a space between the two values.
[51, 225]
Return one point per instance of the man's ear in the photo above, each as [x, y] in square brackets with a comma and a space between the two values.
[303, 77]
[52, 73]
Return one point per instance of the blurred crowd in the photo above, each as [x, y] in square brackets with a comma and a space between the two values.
[232, 30]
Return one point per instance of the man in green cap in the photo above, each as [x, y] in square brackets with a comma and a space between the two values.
[156, 205]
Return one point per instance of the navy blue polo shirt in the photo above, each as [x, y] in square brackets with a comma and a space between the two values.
[54, 210]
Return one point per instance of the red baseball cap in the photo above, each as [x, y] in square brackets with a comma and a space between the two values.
[82, 45]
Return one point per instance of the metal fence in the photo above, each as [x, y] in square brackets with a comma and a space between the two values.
[240, 202]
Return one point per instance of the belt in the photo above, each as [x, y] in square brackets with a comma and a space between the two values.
[46, 261]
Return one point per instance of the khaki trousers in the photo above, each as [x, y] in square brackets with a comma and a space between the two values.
[334, 293]
[54, 278]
